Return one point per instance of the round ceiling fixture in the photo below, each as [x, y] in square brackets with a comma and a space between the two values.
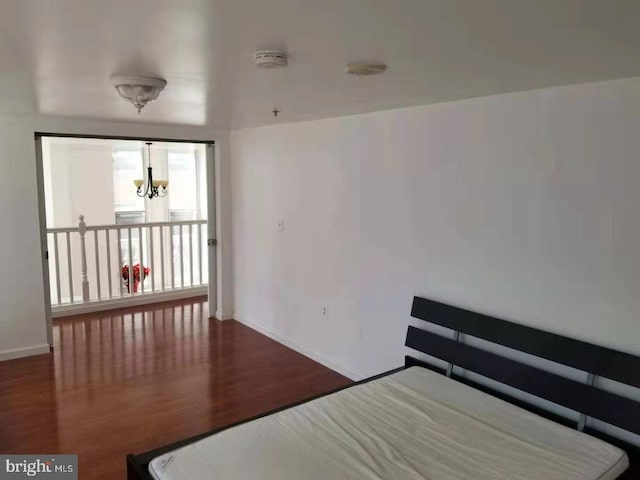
[270, 59]
[366, 68]
[138, 90]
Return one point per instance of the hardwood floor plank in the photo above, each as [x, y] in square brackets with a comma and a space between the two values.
[130, 380]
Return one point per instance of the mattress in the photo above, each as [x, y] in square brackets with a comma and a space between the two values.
[414, 424]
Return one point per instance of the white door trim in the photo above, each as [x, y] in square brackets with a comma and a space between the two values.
[42, 218]
[211, 229]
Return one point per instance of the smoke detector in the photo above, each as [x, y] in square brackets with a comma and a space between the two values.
[366, 68]
[270, 59]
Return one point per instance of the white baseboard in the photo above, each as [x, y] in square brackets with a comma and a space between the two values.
[133, 301]
[223, 316]
[24, 352]
[302, 350]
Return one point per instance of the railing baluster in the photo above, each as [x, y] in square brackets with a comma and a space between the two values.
[173, 276]
[120, 262]
[82, 229]
[181, 260]
[130, 280]
[162, 257]
[97, 250]
[141, 261]
[191, 253]
[151, 263]
[71, 299]
[57, 264]
[109, 275]
[199, 242]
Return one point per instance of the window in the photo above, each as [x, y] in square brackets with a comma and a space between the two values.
[186, 191]
[127, 166]
[123, 218]
[182, 215]
[184, 186]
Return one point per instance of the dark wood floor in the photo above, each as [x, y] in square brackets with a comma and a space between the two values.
[131, 380]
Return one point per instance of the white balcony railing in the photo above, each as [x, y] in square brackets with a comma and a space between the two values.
[91, 264]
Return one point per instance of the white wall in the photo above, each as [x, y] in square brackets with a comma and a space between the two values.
[22, 327]
[522, 206]
[22, 324]
[82, 183]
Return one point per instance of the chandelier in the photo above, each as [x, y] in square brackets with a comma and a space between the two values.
[152, 188]
[139, 90]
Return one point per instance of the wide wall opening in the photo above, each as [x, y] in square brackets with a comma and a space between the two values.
[113, 236]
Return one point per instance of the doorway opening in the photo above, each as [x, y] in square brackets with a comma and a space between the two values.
[107, 244]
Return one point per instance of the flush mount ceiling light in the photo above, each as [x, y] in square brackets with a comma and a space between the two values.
[138, 90]
[366, 68]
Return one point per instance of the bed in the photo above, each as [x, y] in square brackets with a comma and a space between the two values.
[424, 422]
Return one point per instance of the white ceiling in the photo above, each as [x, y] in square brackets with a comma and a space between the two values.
[56, 57]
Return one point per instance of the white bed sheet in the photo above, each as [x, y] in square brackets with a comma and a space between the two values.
[414, 424]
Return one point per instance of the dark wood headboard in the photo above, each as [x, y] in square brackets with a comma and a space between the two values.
[585, 398]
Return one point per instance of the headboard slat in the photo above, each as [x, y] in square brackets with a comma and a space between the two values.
[600, 404]
[601, 361]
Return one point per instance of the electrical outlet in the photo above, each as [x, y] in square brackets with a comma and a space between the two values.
[281, 225]
[325, 311]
